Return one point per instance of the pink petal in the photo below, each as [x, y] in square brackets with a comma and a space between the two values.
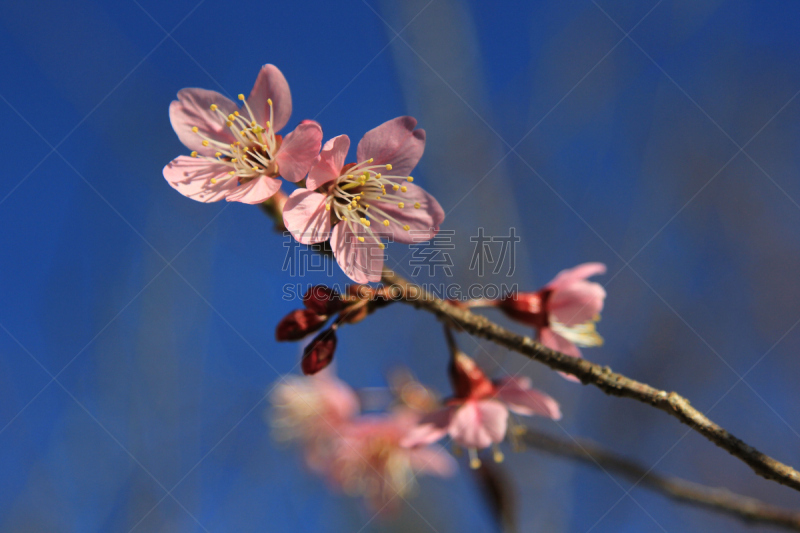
[192, 108]
[423, 222]
[556, 342]
[361, 261]
[431, 428]
[191, 176]
[298, 150]
[270, 83]
[578, 273]
[577, 302]
[432, 460]
[305, 216]
[395, 142]
[328, 164]
[255, 191]
[520, 398]
[478, 424]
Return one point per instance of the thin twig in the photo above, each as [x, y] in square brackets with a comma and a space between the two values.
[717, 499]
[593, 374]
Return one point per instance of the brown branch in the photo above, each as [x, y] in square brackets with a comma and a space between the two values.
[716, 499]
[593, 374]
[589, 373]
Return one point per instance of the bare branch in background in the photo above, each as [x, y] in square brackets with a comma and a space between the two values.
[716, 499]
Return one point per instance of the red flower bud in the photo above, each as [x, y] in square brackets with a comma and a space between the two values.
[323, 300]
[319, 353]
[527, 307]
[298, 324]
[468, 379]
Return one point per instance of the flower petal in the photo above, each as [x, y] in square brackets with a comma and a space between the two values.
[479, 424]
[577, 302]
[578, 273]
[522, 399]
[298, 150]
[432, 460]
[395, 142]
[361, 261]
[423, 221]
[271, 83]
[431, 428]
[556, 342]
[192, 108]
[305, 216]
[255, 191]
[328, 164]
[191, 176]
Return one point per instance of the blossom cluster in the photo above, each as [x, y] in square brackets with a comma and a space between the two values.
[238, 155]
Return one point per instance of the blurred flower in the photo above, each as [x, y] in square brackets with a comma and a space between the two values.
[370, 462]
[564, 311]
[360, 455]
[477, 415]
[238, 156]
[341, 201]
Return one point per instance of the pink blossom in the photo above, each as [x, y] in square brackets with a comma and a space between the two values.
[564, 311]
[237, 153]
[477, 415]
[370, 462]
[341, 202]
[360, 454]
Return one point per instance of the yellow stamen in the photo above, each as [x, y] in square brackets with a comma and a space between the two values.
[213, 107]
[403, 189]
[409, 179]
[194, 129]
[241, 97]
[406, 227]
[269, 101]
[194, 154]
[381, 245]
[401, 205]
[395, 187]
[417, 205]
[361, 239]
[205, 143]
[385, 222]
[388, 167]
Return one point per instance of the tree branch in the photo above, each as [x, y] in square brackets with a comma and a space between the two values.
[716, 499]
[593, 374]
[589, 373]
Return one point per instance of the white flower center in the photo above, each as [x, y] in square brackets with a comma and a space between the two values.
[252, 155]
[357, 196]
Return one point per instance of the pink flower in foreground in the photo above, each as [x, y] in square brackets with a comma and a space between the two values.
[370, 462]
[341, 202]
[237, 153]
[564, 311]
[477, 415]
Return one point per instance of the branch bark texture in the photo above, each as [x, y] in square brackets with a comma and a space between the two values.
[590, 373]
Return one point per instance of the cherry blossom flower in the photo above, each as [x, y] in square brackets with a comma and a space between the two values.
[477, 415]
[564, 311]
[359, 454]
[341, 202]
[237, 153]
[370, 462]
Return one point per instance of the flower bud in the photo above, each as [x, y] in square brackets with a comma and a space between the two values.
[323, 300]
[527, 307]
[298, 324]
[319, 353]
[467, 378]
